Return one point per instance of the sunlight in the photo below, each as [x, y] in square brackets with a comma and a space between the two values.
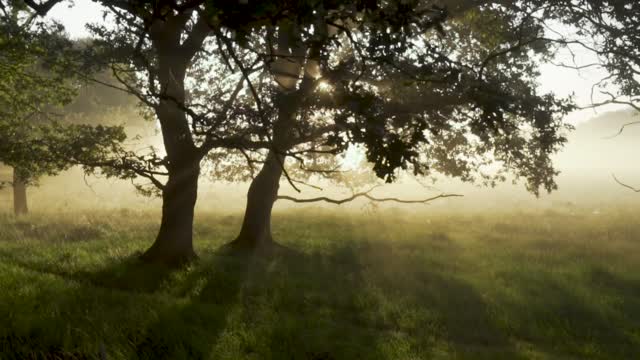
[75, 17]
[319, 179]
[353, 157]
[324, 86]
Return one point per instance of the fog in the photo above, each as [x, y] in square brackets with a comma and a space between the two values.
[595, 152]
[587, 163]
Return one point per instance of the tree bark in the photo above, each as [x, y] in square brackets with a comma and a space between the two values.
[174, 244]
[263, 191]
[255, 233]
[20, 206]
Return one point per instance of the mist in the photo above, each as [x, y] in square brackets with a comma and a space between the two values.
[596, 151]
[319, 180]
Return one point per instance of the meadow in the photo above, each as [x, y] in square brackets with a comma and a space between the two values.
[373, 285]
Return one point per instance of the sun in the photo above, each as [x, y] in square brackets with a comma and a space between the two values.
[324, 86]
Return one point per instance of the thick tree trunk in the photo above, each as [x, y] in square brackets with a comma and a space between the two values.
[263, 192]
[19, 195]
[174, 243]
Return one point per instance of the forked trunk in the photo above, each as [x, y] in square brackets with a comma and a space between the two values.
[263, 192]
[19, 195]
[174, 243]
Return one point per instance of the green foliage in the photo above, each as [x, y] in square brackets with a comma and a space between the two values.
[45, 149]
[608, 32]
[99, 94]
[36, 68]
[614, 27]
[419, 88]
[543, 285]
[34, 64]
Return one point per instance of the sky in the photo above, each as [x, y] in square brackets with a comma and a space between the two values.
[561, 81]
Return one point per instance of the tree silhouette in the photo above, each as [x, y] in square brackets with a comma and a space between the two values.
[34, 83]
[610, 31]
[420, 88]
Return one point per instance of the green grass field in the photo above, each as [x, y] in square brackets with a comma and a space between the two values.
[530, 285]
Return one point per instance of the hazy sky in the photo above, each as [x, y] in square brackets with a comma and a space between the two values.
[560, 81]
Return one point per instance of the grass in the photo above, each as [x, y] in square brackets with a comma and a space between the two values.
[543, 285]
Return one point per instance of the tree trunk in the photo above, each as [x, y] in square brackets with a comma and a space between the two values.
[19, 195]
[263, 192]
[174, 244]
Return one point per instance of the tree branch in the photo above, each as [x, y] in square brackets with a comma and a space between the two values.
[625, 185]
[366, 195]
[622, 129]
[41, 8]
[199, 33]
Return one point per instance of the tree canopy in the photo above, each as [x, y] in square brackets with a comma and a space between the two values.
[421, 86]
[35, 82]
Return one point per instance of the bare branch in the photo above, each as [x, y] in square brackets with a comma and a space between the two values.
[616, 102]
[256, 97]
[622, 129]
[625, 185]
[307, 184]
[280, 158]
[576, 67]
[243, 70]
[366, 195]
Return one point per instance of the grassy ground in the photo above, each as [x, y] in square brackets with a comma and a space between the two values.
[375, 286]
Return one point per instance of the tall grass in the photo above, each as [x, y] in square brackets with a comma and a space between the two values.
[380, 285]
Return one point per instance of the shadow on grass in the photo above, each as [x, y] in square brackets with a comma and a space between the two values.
[127, 274]
[558, 319]
[354, 300]
[188, 329]
[112, 324]
[348, 300]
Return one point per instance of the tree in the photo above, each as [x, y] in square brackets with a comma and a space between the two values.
[160, 53]
[33, 83]
[421, 89]
[244, 76]
[610, 30]
[164, 54]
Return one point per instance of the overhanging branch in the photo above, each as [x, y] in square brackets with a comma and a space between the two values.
[367, 195]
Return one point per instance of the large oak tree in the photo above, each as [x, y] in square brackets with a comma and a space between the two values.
[420, 88]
